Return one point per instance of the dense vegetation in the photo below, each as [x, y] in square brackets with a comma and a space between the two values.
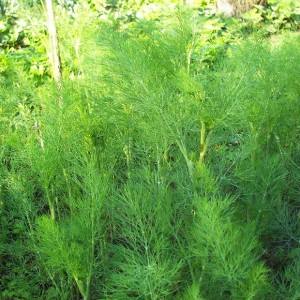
[165, 165]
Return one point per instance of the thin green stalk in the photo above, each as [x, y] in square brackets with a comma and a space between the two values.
[204, 137]
[51, 205]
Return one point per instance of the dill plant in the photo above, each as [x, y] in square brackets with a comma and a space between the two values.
[258, 167]
[144, 262]
[71, 246]
[226, 253]
[147, 176]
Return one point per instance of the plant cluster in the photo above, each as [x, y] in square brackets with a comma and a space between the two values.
[154, 171]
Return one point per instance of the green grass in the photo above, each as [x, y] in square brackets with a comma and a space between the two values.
[151, 177]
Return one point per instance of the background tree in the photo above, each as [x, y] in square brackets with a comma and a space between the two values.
[54, 48]
[231, 8]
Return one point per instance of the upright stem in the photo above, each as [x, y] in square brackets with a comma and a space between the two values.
[53, 40]
[204, 133]
[189, 163]
[80, 287]
[189, 58]
[51, 205]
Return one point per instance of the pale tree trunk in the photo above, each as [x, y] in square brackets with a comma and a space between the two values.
[230, 8]
[53, 41]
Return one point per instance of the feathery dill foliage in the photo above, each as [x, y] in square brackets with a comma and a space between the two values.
[227, 252]
[143, 263]
[150, 177]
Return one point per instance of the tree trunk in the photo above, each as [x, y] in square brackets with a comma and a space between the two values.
[230, 8]
[53, 41]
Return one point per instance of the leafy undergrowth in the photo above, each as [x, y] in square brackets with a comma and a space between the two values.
[152, 176]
